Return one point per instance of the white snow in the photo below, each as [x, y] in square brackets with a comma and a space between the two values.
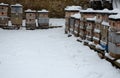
[86, 41]
[99, 47]
[24, 23]
[105, 23]
[73, 8]
[29, 10]
[92, 19]
[97, 30]
[88, 36]
[43, 10]
[118, 32]
[3, 4]
[102, 42]
[107, 54]
[9, 23]
[77, 15]
[96, 38]
[17, 5]
[36, 22]
[116, 10]
[91, 43]
[116, 4]
[118, 61]
[49, 54]
[117, 16]
[57, 22]
[88, 10]
[75, 31]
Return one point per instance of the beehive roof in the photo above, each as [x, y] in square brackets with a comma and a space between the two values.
[90, 10]
[73, 8]
[3, 4]
[87, 10]
[29, 10]
[117, 16]
[17, 5]
[43, 10]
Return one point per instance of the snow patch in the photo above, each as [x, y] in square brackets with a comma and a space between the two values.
[77, 15]
[3, 4]
[97, 30]
[105, 23]
[99, 47]
[95, 38]
[43, 10]
[92, 19]
[17, 5]
[73, 8]
[29, 10]
[117, 16]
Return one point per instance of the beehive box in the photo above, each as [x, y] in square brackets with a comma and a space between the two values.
[89, 28]
[88, 13]
[75, 23]
[16, 15]
[114, 36]
[70, 10]
[3, 15]
[43, 19]
[30, 19]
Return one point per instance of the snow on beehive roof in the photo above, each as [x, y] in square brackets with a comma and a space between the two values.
[17, 5]
[88, 10]
[3, 4]
[117, 16]
[105, 23]
[115, 10]
[77, 15]
[73, 8]
[43, 10]
[29, 10]
[104, 11]
[91, 19]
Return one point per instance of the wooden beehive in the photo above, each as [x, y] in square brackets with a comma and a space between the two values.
[30, 19]
[72, 24]
[70, 10]
[3, 15]
[97, 28]
[88, 13]
[114, 36]
[75, 24]
[16, 15]
[43, 19]
[103, 23]
[104, 31]
[89, 28]
[77, 27]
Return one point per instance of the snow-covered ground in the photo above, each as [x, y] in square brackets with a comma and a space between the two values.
[49, 54]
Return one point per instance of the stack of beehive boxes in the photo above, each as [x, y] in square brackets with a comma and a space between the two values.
[30, 19]
[3, 15]
[97, 28]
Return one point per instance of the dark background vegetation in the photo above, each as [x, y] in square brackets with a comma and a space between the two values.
[56, 7]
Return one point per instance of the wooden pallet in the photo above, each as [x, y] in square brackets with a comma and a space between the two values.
[55, 26]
